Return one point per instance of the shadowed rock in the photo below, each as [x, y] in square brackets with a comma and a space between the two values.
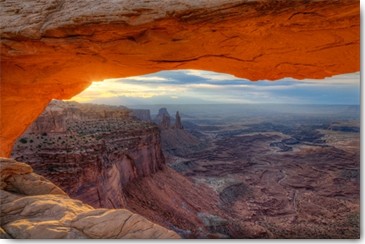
[178, 124]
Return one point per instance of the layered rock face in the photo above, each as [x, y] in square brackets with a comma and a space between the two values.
[91, 151]
[33, 207]
[55, 49]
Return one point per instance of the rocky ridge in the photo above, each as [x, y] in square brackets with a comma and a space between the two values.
[34, 208]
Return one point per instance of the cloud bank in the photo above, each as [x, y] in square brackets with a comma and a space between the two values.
[205, 87]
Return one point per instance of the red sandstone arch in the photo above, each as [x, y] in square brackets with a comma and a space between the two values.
[54, 49]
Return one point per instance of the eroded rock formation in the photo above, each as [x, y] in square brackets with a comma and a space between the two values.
[178, 124]
[33, 207]
[91, 151]
[55, 49]
[174, 139]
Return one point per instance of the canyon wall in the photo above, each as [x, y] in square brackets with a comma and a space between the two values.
[91, 151]
[34, 208]
[55, 49]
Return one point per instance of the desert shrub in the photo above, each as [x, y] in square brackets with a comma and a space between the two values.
[51, 168]
[23, 140]
[31, 141]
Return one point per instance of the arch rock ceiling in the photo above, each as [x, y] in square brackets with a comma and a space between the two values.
[55, 48]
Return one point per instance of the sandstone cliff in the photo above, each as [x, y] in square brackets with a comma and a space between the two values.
[33, 207]
[91, 151]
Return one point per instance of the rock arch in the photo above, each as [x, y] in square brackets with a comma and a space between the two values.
[54, 49]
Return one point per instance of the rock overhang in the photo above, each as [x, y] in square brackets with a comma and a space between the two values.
[55, 49]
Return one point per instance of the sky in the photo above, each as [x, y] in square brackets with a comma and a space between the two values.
[205, 87]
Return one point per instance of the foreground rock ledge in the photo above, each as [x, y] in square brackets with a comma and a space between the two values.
[32, 207]
[55, 48]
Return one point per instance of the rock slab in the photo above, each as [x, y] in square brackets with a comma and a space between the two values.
[34, 208]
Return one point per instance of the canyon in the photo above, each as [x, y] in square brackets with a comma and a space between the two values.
[250, 173]
[280, 182]
[105, 157]
[286, 173]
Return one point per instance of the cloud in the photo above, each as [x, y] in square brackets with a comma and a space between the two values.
[212, 76]
[206, 85]
[197, 86]
[115, 88]
[344, 79]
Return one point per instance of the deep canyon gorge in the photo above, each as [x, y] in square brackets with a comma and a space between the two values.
[75, 170]
[225, 174]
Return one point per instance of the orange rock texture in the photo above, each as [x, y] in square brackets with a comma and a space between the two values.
[56, 48]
